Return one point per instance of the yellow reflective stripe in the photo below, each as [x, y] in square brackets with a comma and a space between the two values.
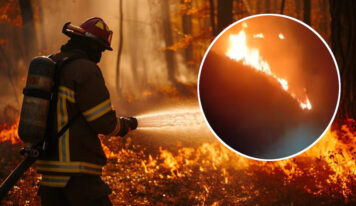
[59, 126]
[65, 170]
[53, 184]
[62, 120]
[97, 111]
[86, 164]
[56, 177]
[68, 167]
[66, 134]
[66, 93]
[101, 113]
[66, 89]
[54, 181]
[66, 97]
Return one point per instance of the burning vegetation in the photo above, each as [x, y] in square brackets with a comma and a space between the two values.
[210, 173]
[240, 51]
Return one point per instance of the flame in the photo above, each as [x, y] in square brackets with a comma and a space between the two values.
[9, 133]
[306, 104]
[238, 50]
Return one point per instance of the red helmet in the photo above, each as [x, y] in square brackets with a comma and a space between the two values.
[94, 28]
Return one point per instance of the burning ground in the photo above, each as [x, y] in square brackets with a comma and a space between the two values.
[209, 174]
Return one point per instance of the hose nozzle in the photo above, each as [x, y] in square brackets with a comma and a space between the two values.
[132, 123]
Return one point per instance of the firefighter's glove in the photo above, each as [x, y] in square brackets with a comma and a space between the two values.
[127, 124]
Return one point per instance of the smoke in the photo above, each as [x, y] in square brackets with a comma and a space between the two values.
[9, 114]
[143, 69]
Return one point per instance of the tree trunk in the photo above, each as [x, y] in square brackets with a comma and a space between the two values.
[224, 14]
[343, 40]
[324, 24]
[282, 7]
[306, 14]
[275, 4]
[169, 54]
[268, 6]
[212, 17]
[187, 30]
[119, 52]
[258, 6]
[29, 33]
[42, 32]
[297, 7]
[168, 38]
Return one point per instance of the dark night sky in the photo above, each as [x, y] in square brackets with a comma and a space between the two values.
[249, 110]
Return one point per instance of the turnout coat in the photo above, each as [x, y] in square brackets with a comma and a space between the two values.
[82, 93]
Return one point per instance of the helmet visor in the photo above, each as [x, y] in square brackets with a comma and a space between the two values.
[109, 37]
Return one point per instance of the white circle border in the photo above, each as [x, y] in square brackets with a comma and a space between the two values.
[337, 71]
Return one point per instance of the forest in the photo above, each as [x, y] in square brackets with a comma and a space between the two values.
[152, 73]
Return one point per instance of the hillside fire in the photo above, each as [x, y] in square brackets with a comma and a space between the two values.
[240, 51]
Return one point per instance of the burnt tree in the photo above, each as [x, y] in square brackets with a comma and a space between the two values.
[258, 6]
[224, 14]
[268, 6]
[324, 21]
[29, 33]
[343, 42]
[212, 16]
[306, 12]
[282, 7]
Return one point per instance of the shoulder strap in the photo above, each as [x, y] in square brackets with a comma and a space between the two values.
[54, 97]
[66, 127]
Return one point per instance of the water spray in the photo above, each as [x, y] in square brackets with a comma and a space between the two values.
[171, 119]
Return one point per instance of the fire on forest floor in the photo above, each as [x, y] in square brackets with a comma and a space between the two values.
[210, 174]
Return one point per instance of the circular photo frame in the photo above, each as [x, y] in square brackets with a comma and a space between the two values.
[269, 87]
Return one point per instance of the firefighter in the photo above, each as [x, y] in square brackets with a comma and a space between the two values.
[72, 166]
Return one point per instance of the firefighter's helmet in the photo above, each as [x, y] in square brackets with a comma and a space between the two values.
[94, 28]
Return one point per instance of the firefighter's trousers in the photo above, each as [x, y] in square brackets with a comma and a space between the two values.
[80, 190]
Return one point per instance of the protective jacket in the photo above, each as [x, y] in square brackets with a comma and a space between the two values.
[81, 94]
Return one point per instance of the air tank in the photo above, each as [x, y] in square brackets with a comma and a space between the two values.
[36, 101]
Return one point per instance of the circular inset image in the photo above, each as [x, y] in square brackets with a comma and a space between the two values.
[269, 87]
